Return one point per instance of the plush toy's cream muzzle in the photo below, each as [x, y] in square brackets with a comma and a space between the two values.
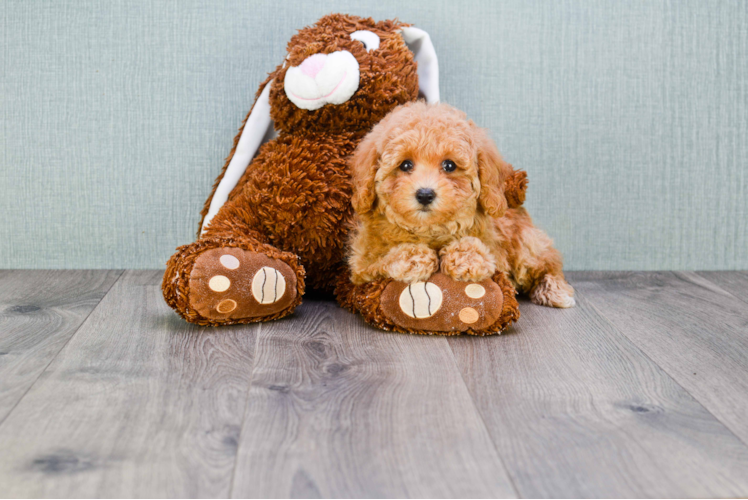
[322, 79]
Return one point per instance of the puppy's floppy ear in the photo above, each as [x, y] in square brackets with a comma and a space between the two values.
[492, 172]
[515, 188]
[363, 164]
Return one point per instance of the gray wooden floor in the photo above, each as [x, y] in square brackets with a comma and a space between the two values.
[641, 390]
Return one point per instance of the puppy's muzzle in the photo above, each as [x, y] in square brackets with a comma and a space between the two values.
[425, 196]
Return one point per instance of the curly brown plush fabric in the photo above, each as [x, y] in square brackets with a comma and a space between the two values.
[293, 202]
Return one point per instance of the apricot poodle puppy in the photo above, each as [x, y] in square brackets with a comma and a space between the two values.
[428, 194]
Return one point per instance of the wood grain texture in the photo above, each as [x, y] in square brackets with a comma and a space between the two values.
[138, 404]
[576, 410]
[734, 282]
[339, 409]
[639, 391]
[39, 312]
[695, 330]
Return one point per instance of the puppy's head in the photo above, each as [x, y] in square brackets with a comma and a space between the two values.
[427, 165]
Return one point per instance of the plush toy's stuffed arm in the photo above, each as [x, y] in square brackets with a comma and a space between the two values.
[515, 187]
[259, 129]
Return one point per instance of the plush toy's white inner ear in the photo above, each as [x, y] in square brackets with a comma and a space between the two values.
[419, 42]
[257, 130]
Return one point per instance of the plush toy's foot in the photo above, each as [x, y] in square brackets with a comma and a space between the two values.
[211, 284]
[439, 306]
[232, 284]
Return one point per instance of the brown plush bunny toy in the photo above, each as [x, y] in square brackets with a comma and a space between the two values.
[277, 219]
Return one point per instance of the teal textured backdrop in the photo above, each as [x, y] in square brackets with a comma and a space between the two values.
[631, 119]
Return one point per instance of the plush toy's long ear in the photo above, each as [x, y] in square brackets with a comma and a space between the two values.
[257, 129]
[419, 42]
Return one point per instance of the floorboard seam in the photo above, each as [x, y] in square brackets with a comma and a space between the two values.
[691, 278]
[246, 407]
[728, 292]
[122, 272]
[482, 421]
[669, 375]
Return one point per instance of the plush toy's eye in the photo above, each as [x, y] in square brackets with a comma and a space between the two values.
[448, 166]
[369, 39]
[406, 166]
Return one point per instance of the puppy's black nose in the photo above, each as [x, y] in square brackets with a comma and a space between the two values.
[425, 196]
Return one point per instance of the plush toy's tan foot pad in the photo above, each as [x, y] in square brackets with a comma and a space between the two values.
[442, 304]
[232, 283]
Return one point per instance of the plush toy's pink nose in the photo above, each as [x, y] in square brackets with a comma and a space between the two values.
[313, 64]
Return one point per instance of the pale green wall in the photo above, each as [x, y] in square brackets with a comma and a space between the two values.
[630, 117]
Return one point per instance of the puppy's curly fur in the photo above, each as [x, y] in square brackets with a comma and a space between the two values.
[461, 225]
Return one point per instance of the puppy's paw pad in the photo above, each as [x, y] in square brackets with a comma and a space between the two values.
[421, 300]
[232, 283]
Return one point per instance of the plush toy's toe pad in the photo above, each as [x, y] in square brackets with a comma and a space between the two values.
[443, 305]
[232, 283]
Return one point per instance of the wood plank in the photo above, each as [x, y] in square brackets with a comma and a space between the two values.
[339, 409]
[576, 410]
[138, 404]
[39, 312]
[692, 328]
[734, 282]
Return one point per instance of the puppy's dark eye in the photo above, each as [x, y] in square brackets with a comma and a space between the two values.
[406, 166]
[448, 166]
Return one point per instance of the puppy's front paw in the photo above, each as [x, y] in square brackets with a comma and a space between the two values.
[467, 259]
[411, 263]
